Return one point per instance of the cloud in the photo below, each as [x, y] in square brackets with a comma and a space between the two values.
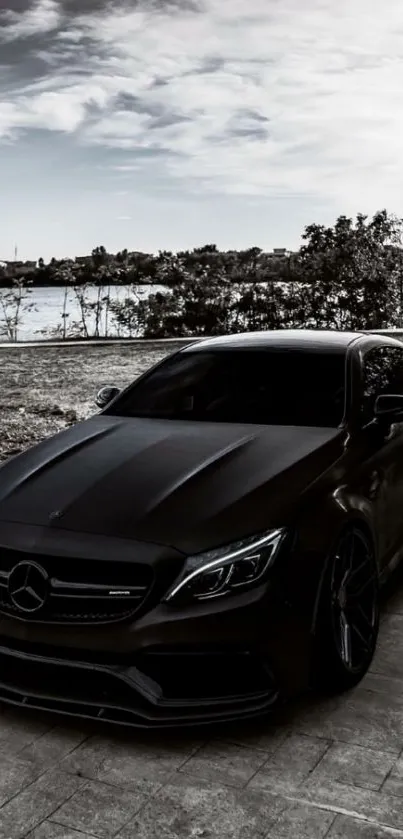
[249, 97]
[42, 17]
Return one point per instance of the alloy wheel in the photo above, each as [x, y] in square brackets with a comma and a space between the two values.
[354, 600]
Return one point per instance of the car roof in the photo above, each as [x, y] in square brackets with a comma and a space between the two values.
[313, 339]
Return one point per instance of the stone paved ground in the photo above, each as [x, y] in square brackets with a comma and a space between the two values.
[323, 768]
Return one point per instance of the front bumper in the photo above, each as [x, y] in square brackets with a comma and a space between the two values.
[235, 664]
[166, 666]
[124, 694]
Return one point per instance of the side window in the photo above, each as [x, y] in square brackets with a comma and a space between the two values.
[382, 373]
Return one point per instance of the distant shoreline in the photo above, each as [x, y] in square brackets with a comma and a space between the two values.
[85, 342]
[29, 284]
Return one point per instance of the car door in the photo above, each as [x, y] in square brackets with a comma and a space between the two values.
[379, 475]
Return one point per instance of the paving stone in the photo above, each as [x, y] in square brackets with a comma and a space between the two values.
[144, 768]
[394, 782]
[378, 807]
[362, 717]
[291, 764]
[302, 821]
[355, 765]
[36, 803]
[262, 735]
[15, 774]
[388, 658]
[88, 759]
[347, 828]
[52, 747]
[226, 763]
[47, 830]
[389, 685]
[18, 730]
[143, 764]
[186, 808]
[99, 809]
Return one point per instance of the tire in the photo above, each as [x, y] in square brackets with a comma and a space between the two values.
[348, 617]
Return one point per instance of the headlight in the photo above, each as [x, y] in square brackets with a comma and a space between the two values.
[227, 569]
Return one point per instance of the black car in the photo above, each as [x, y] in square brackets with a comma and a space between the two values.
[214, 539]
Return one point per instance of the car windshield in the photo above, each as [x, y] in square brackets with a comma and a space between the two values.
[265, 387]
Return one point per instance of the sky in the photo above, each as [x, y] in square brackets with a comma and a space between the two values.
[169, 125]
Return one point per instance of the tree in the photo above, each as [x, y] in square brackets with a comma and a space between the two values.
[351, 271]
[197, 303]
[14, 302]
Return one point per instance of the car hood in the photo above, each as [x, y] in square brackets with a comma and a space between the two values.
[184, 484]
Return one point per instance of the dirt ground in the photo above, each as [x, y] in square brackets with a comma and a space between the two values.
[44, 389]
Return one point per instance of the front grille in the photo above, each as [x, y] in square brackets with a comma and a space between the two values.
[71, 590]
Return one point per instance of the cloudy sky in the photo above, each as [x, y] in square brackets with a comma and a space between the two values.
[154, 124]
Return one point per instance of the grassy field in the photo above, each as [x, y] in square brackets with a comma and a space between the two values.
[44, 389]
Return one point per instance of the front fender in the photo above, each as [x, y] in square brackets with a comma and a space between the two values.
[317, 533]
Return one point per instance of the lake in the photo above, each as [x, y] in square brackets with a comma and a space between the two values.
[47, 308]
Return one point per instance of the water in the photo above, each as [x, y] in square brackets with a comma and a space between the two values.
[47, 307]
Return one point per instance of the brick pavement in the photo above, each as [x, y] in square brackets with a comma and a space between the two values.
[330, 768]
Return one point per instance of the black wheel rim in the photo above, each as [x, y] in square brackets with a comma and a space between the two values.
[354, 601]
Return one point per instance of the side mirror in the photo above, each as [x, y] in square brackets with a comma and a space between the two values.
[389, 408]
[106, 395]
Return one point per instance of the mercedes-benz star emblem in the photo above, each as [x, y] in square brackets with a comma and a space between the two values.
[28, 586]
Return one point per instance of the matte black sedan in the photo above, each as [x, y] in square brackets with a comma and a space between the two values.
[214, 539]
